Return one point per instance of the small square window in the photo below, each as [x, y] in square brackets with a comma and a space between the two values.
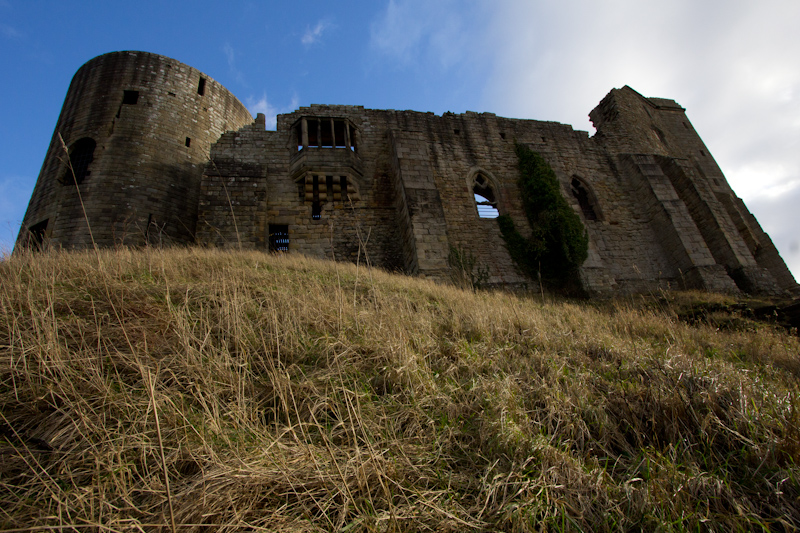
[130, 97]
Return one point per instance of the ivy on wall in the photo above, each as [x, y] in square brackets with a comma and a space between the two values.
[558, 243]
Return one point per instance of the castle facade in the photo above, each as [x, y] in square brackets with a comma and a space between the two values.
[161, 153]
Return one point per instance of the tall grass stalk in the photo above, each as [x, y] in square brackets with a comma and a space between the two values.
[197, 390]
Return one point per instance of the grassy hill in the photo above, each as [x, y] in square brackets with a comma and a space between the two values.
[208, 391]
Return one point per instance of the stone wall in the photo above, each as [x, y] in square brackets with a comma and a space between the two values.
[152, 131]
[721, 242]
[657, 210]
[177, 159]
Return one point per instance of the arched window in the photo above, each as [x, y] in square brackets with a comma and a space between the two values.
[586, 199]
[485, 198]
[81, 155]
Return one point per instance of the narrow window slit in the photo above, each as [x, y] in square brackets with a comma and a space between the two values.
[316, 207]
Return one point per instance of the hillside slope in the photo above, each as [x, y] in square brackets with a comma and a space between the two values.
[209, 391]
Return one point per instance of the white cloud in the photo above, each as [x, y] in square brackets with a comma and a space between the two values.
[262, 105]
[413, 31]
[231, 58]
[730, 63]
[780, 218]
[313, 36]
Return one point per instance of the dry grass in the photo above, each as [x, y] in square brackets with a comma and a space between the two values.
[201, 390]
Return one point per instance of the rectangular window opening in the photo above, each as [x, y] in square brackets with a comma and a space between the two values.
[327, 134]
[188, 142]
[352, 138]
[130, 97]
[313, 129]
[316, 211]
[201, 86]
[298, 131]
[278, 238]
[339, 133]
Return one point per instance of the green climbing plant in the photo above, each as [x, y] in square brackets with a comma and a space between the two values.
[558, 243]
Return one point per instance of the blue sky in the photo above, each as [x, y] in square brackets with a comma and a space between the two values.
[731, 63]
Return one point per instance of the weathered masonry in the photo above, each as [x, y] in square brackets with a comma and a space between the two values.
[162, 153]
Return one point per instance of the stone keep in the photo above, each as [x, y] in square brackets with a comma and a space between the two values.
[162, 153]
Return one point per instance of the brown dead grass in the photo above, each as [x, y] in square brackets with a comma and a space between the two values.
[237, 390]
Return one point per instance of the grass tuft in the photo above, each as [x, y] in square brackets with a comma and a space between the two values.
[193, 389]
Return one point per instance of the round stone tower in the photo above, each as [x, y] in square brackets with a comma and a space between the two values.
[137, 130]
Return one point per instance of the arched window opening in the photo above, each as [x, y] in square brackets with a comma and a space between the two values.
[585, 199]
[485, 199]
[81, 156]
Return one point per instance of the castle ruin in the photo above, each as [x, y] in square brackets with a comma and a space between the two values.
[162, 153]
